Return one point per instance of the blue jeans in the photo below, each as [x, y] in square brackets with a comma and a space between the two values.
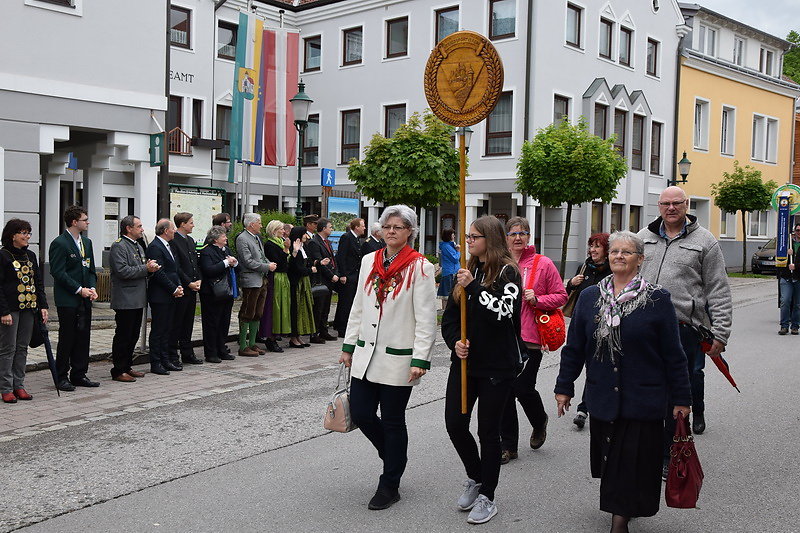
[790, 302]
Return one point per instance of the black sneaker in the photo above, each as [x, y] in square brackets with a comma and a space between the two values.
[783, 331]
[383, 499]
[665, 471]
[795, 331]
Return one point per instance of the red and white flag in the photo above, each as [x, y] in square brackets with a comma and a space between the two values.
[281, 49]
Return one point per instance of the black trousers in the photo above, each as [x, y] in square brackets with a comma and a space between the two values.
[524, 390]
[74, 329]
[322, 309]
[347, 293]
[388, 434]
[216, 320]
[129, 324]
[160, 326]
[491, 394]
[180, 337]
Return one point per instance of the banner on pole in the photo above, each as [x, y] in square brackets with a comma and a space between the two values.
[784, 235]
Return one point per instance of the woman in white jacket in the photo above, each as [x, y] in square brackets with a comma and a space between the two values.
[388, 343]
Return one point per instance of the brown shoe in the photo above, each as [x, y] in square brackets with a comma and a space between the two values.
[135, 374]
[328, 337]
[248, 352]
[539, 435]
[507, 456]
[258, 350]
[124, 378]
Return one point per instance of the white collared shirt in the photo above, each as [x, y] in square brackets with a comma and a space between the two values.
[166, 245]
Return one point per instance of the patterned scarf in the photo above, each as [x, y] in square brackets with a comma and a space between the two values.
[392, 280]
[612, 309]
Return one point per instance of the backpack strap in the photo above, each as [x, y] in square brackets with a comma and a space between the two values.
[534, 272]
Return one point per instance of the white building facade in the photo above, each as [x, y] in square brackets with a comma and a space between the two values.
[73, 86]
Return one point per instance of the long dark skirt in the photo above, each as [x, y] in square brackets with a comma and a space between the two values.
[627, 456]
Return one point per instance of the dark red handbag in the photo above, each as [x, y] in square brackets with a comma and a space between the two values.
[685, 478]
[550, 324]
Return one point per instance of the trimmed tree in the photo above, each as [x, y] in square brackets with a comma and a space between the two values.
[743, 190]
[565, 164]
[417, 166]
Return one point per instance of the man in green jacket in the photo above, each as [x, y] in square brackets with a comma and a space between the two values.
[74, 279]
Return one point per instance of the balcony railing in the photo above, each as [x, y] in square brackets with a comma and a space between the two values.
[178, 142]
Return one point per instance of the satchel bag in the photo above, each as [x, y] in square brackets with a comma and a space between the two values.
[685, 478]
[569, 307]
[550, 324]
[337, 413]
[221, 288]
[319, 291]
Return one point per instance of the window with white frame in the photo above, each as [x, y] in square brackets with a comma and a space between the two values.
[498, 126]
[180, 20]
[707, 40]
[727, 224]
[727, 132]
[226, 40]
[765, 139]
[655, 148]
[394, 116]
[758, 224]
[352, 43]
[625, 46]
[738, 50]
[397, 37]
[446, 22]
[574, 25]
[701, 112]
[312, 53]
[502, 18]
[350, 136]
[560, 109]
[766, 62]
[652, 57]
[637, 161]
[606, 38]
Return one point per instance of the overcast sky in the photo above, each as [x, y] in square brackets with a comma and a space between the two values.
[776, 17]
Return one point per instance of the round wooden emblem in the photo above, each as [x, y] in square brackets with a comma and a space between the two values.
[463, 78]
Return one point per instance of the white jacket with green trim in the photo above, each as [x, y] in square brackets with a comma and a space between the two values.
[386, 346]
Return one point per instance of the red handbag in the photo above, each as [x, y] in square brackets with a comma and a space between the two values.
[552, 330]
[685, 478]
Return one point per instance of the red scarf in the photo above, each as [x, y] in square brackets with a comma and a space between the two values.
[394, 279]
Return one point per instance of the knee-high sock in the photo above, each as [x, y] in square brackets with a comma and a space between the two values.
[243, 330]
[253, 332]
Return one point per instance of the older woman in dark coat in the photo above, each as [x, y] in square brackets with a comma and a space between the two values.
[216, 263]
[21, 298]
[626, 333]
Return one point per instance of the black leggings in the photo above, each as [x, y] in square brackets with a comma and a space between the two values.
[483, 468]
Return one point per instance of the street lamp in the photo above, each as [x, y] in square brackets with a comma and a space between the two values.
[467, 131]
[300, 106]
[684, 165]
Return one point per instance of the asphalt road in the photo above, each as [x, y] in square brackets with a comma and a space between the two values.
[258, 460]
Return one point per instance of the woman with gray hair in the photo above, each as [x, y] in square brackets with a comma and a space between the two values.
[388, 343]
[624, 329]
[216, 263]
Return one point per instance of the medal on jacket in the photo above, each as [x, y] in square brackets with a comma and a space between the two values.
[26, 287]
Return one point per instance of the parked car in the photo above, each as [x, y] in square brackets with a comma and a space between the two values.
[763, 261]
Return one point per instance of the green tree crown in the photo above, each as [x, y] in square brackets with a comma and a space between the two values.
[791, 59]
[743, 190]
[417, 166]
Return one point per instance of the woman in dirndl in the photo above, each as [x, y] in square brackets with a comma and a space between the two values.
[276, 248]
[300, 269]
[624, 329]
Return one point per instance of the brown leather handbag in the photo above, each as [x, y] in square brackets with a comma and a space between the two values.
[685, 478]
[337, 413]
[569, 307]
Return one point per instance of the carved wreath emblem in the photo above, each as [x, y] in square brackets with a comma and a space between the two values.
[463, 78]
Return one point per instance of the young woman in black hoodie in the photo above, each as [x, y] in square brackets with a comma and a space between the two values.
[492, 285]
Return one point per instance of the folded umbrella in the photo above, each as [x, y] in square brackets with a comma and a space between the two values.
[40, 337]
[706, 341]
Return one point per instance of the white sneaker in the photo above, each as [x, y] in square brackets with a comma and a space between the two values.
[483, 511]
[467, 500]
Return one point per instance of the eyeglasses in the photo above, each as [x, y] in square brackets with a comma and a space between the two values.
[470, 237]
[394, 228]
[623, 253]
[24, 233]
[516, 234]
[83, 219]
[672, 204]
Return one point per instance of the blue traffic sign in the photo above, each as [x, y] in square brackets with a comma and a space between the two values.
[328, 177]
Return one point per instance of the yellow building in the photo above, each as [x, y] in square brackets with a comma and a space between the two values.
[733, 106]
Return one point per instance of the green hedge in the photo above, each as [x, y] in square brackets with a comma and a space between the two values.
[266, 217]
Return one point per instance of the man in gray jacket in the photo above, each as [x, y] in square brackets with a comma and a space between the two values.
[252, 282]
[129, 271]
[686, 259]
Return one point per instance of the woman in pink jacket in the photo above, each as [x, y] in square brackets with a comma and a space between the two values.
[548, 293]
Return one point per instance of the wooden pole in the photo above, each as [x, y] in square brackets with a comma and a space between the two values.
[462, 229]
